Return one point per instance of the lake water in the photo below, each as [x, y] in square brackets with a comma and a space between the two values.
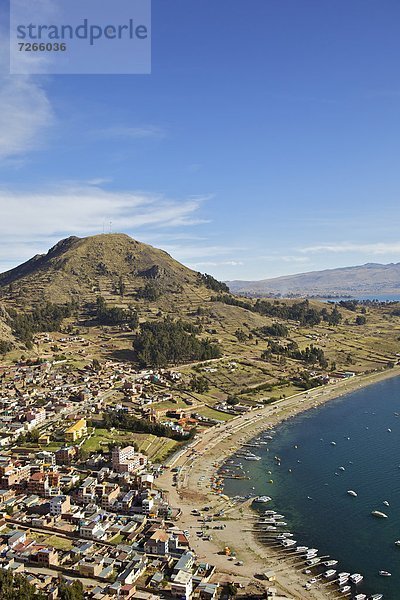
[313, 496]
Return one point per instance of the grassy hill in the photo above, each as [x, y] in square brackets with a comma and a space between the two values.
[118, 269]
[81, 269]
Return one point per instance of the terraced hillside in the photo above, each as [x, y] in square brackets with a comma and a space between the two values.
[114, 266]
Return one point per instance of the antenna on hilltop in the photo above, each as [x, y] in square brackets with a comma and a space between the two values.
[110, 225]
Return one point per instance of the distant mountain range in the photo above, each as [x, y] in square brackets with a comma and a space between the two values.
[364, 280]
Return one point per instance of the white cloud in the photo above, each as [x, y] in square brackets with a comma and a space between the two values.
[287, 259]
[223, 263]
[189, 253]
[25, 115]
[375, 249]
[32, 221]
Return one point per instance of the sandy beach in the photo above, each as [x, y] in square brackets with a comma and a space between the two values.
[199, 462]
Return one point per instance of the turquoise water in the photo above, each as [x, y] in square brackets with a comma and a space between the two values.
[313, 496]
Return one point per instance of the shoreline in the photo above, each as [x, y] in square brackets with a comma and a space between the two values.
[198, 464]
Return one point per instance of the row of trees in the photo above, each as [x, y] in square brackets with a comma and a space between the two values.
[5, 346]
[47, 317]
[17, 587]
[121, 420]
[310, 355]
[150, 292]
[115, 315]
[160, 343]
[213, 284]
[297, 311]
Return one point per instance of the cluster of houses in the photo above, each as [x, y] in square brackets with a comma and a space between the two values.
[110, 526]
[100, 518]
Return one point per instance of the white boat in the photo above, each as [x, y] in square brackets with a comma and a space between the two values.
[386, 503]
[345, 589]
[356, 578]
[313, 561]
[302, 549]
[385, 574]
[352, 493]
[330, 563]
[333, 443]
[343, 575]
[397, 543]
[376, 597]
[342, 469]
[379, 514]
[360, 597]
[329, 573]
[262, 499]
[252, 457]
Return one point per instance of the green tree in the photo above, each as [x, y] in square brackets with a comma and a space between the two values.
[72, 591]
[199, 384]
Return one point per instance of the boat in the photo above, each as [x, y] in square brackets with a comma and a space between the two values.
[262, 499]
[345, 589]
[302, 549]
[342, 469]
[330, 563]
[329, 573]
[352, 493]
[333, 443]
[252, 457]
[386, 503]
[397, 543]
[385, 574]
[360, 597]
[379, 514]
[376, 597]
[356, 578]
[313, 561]
[343, 575]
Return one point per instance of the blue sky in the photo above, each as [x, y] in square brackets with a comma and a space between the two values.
[265, 142]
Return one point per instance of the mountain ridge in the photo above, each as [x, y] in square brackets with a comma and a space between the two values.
[364, 279]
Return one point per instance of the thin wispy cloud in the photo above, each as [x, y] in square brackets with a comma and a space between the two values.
[81, 209]
[285, 258]
[26, 114]
[223, 263]
[375, 249]
[132, 133]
